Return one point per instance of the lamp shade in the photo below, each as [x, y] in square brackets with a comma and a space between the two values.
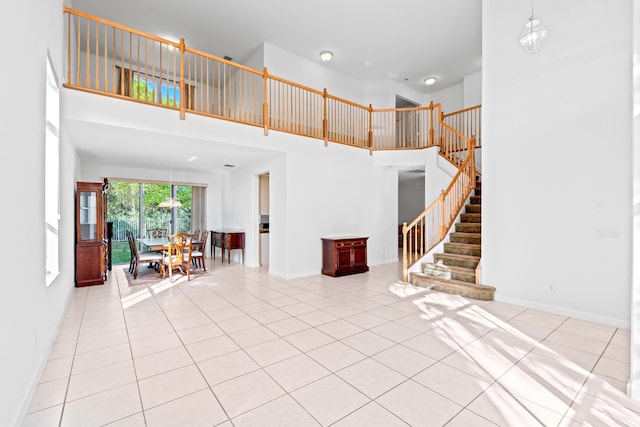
[170, 203]
[533, 35]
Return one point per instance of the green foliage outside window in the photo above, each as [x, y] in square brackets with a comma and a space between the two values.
[123, 207]
[146, 90]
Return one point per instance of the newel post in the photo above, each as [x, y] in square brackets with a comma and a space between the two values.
[324, 118]
[183, 98]
[265, 105]
[405, 273]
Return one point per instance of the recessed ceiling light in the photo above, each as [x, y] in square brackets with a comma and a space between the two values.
[326, 56]
[429, 81]
[192, 159]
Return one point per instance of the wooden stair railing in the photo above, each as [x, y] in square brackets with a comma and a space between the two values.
[419, 237]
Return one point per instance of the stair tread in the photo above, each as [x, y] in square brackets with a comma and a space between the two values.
[452, 286]
[458, 256]
[465, 234]
[475, 245]
[460, 269]
[441, 280]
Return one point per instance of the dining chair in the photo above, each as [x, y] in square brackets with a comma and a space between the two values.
[155, 233]
[197, 254]
[177, 255]
[152, 257]
[132, 261]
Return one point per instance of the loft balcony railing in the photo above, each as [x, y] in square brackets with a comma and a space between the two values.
[110, 59]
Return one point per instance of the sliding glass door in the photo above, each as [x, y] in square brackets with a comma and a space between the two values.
[134, 207]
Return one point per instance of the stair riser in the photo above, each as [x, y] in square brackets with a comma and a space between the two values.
[471, 277]
[453, 238]
[471, 217]
[468, 227]
[477, 192]
[455, 262]
[475, 200]
[462, 250]
[473, 209]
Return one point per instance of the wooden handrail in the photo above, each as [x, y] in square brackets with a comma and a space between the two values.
[131, 30]
[466, 121]
[416, 240]
[464, 110]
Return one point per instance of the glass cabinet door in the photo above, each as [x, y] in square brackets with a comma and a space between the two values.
[88, 211]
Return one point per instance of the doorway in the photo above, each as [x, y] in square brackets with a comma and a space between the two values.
[263, 223]
[411, 195]
[407, 124]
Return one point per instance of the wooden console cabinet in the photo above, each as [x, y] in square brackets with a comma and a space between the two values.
[344, 255]
[228, 239]
[91, 247]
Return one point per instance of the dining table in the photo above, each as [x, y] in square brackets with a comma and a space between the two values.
[156, 244]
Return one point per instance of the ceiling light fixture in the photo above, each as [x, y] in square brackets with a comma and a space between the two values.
[429, 81]
[326, 56]
[170, 202]
[533, 35]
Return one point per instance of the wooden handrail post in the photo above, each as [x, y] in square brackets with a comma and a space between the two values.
[69, 47]
[370, 130]
[265, 105]
[324, 119]
[441, 226]
[405, 273]
[472, 160]
[183, 98]
[431, 129]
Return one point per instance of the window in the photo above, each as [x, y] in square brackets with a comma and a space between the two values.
[133, 206]
[52, 174]
[146, 88]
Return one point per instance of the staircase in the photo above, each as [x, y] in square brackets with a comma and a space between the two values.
[454, 271]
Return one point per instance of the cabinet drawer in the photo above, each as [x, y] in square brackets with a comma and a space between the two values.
[349, 244]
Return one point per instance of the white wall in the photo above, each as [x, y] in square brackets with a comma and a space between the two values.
[634, 375]
[317, 76]
[30, 312]
[472, 89]
[255, 59]
[451, 98]
[331, 195]
[557, 158]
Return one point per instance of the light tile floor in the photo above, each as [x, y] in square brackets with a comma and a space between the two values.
[236, 346]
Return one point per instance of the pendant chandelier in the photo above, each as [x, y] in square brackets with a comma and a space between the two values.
[170, 202]
[533, 35]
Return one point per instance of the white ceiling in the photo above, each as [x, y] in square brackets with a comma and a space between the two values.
[373, 41]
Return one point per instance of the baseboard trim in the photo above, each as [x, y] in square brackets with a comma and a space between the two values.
[43, 363]
[581, 315]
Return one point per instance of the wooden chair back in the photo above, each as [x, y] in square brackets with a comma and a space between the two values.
[178, 254]
[155, 233]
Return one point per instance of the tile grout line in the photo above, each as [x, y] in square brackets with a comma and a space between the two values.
[66, 393]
